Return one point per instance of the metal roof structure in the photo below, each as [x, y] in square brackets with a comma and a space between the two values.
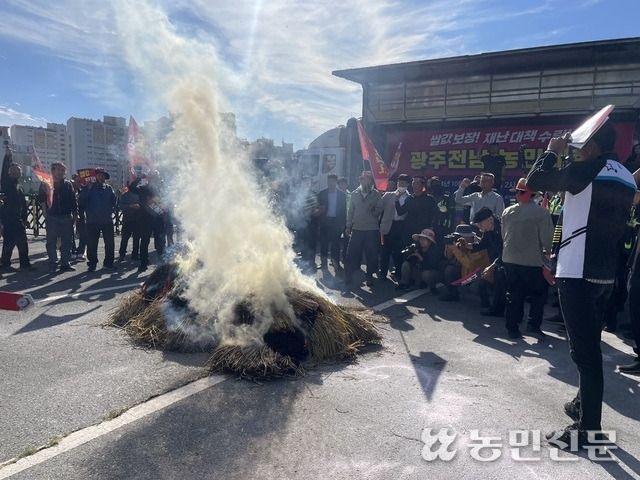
[554, 80]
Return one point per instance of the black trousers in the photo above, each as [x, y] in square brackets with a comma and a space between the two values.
[521, 282]
[392, 249]
[15, 235]
[93, 231]
[366, 241]
[151, 226]
[130, 229]
[329, 233]
[634, 309]
[498, 286]
[583, 303]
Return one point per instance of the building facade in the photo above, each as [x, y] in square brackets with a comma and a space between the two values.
[98, 143]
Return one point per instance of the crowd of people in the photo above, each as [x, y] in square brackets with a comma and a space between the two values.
[78, 213]
[574, 227]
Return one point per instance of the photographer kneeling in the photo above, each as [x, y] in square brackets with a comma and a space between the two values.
[423, 262]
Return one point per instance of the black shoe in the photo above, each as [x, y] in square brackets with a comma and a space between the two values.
[110, 267]
[402, 288]
[449, 297]
[369, 281]
[572, 410]
[534, 332]
[53, 268]
[609, 328]
[514, 334]
[142, 268]
[91, 267]
[67, 268]
[569, 438]
[27, 266]
[491, 313]
[434, 290]
[632, 368]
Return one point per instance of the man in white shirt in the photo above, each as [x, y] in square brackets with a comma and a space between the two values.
[392, 227]
[485, 198]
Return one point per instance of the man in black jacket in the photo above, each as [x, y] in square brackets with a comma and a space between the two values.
[151, 215]
[424, 262]
[420, 207]
[60, 216]
[333, 220]
[13, 213]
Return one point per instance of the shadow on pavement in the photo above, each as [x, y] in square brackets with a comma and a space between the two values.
[221, 434]
[46, 321]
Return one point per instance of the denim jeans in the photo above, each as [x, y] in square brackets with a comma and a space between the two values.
[583, 303]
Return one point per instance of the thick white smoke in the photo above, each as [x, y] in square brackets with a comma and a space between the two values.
[239, 250]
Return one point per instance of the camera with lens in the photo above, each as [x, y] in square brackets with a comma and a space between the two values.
[408, 254]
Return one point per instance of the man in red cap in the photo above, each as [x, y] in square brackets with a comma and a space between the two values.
[527, 231]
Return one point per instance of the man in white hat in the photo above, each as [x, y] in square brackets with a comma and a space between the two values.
[424, 262]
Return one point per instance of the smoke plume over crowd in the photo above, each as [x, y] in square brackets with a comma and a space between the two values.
[236, 250]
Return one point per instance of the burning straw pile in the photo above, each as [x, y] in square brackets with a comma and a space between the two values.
[321, 332]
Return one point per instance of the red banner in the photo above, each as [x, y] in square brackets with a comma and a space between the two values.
[455, 153]
[44, 177]
[87, 175]
[371, 155]
[138, 151]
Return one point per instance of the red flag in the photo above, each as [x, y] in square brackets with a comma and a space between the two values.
[371, 155]
[44, 177]
[137, 150]
[395, 163]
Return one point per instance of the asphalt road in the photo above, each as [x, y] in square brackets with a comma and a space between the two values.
[65, 378]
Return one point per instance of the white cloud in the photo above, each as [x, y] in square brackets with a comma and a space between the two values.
[272, 60]
[9, 116]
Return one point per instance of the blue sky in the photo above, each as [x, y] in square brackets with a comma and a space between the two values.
[270, 61]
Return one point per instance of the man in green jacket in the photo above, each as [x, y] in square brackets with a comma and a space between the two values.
[364, 211]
